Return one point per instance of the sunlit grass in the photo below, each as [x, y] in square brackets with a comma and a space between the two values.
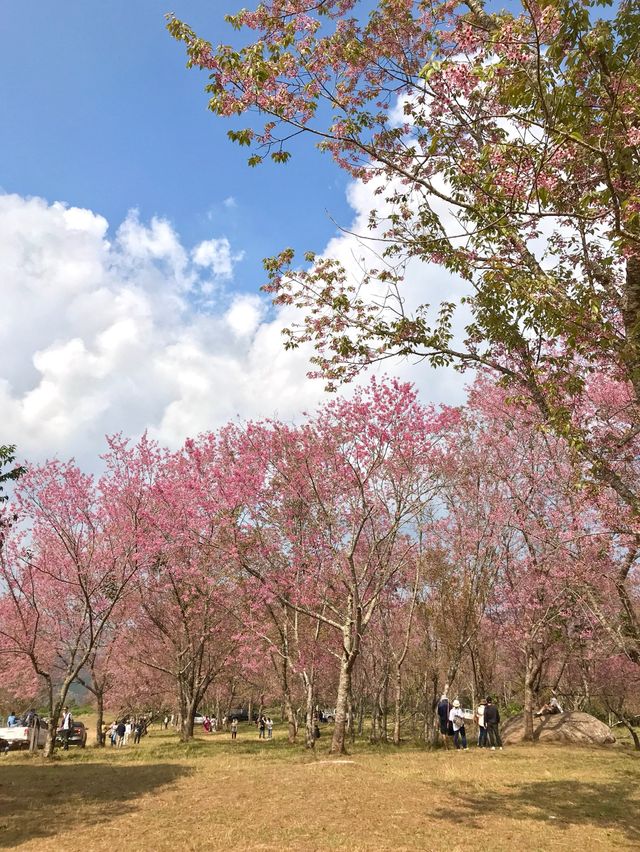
[214, 793]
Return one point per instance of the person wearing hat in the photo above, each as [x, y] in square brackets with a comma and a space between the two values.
[457, 721]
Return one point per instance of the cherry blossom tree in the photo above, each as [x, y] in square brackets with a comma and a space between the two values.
[63, 578]
[502, 146]
[325, 512]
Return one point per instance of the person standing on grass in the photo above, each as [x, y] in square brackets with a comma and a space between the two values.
[262, 724]
[269, 728]
[137, 731]
[442, 721]
[456, 717]
[234, 728]
[121, 730]
[492, 721]
[482, 730]
[66, 726]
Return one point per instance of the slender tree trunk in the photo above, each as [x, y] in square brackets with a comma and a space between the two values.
[344, 688]
[374, 719]
[290, 716]
[100, 720]
[634, 735]
[360, 716]
[397, 705]
[310, 731]
[384, 732]
[351, 729]
[529, 681]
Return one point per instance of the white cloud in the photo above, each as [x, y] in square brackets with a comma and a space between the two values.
[102, 334]
[217, 256]
[245, 314]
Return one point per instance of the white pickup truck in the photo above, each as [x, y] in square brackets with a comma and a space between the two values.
[18, 736]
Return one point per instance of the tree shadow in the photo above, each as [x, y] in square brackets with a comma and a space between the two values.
[561, 803]
[39, 800]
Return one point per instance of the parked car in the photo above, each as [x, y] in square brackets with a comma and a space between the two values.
[240, 714]
[77, 737]
[19, 736]
[327, 715]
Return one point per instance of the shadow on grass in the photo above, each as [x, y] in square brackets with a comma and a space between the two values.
[558, 803]
[38, 800]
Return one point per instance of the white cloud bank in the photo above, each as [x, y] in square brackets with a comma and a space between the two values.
[102, 334]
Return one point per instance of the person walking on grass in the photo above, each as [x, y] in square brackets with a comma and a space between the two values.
[492, 721]
[234, 728]
[137, 731]
[456, 717]
[121, 730]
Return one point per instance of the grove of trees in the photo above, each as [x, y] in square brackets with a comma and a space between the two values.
[375, 555]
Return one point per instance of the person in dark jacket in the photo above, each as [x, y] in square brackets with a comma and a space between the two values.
[492, 721]
[443, 710]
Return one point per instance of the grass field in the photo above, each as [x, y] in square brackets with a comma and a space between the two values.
[216, 794]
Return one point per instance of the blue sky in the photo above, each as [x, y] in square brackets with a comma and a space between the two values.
[99, 111]
[132, 234]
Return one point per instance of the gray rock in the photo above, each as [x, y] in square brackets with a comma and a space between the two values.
[572, 727]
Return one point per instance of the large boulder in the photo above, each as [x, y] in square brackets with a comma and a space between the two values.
[573, 727]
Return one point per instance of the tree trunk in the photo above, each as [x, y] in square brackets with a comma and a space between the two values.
[351, 729]
[54, 717]
[310, 731]
[384, 733]
[529, 681]
[397, 704]
[290, 716]
[188, 714]
[374, 719]
[344, 689]
[100, 720]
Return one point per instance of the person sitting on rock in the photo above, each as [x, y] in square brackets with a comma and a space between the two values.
[551, 708]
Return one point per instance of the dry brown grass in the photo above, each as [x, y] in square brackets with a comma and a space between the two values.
[216, 794]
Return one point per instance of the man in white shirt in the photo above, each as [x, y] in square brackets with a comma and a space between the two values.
[66, 726]
[456, 717]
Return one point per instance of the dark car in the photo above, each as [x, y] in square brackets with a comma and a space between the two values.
[240, 714]
[77, 737]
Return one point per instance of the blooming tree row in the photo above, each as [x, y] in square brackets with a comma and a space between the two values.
[368, 559]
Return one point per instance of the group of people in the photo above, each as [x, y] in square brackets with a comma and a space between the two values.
[451, 722]
[210, 724]
[265, 728]
[122, 731]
